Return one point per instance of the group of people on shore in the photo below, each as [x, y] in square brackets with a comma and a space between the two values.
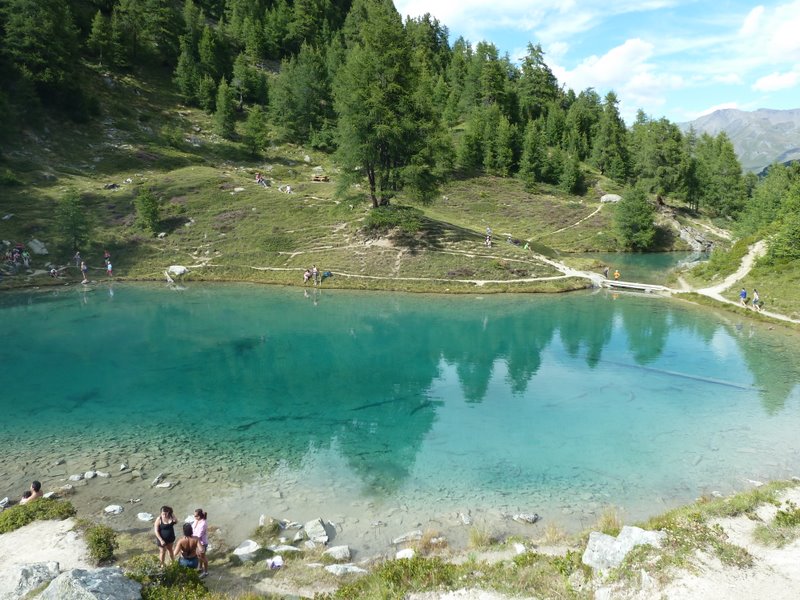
[81, 264]
[313, 274]
[755, 301]
[191, 548]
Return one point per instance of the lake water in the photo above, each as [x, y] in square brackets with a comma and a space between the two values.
[645, 267]
[385, 412]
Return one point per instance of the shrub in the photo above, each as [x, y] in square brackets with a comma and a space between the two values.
[789, 516]
[7, 177]
[383, 218]
[102, 541]
[172, 583]
[148, 210]
[42, 509]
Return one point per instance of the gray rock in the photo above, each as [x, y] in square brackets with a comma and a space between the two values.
[92, 584]
[247, 550]
[405, 553]
[309, 545]
[284, 549]
[4, 502]
[145, 516]
[113, 509]
[316, 532]
[610, 198]
[103, 474]
[77, 477]
[49, 495]
[411, 536]
[340, 553]
[605, 552]
[18, 580]
[340, 570]
[530, 518]
[89, 475]
[37, 247]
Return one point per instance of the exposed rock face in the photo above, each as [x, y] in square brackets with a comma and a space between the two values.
[92, 584]
[610, 198]
[19, 580]
[605, 552]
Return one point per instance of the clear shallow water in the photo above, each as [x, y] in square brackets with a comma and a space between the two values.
[363, 401]
[645, 267]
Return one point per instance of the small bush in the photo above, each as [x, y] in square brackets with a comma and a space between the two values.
[384, 218]
[172, 583]
[789, 516]
[7, 177]
[102, 541]
[39, 510]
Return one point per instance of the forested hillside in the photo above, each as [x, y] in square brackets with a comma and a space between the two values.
[397, 105]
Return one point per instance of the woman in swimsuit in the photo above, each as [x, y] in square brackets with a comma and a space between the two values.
[187, 546]
[164, 528]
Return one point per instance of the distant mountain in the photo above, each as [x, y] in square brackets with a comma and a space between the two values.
[760, 137]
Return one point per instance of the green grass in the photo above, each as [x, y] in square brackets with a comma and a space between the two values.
[20, 515]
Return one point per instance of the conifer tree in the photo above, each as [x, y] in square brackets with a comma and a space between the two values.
[99, 41]
[534, 154]
[381, 130]
[225, 115]
[610, 147]
[634, 220]
[187, 73]
[255, 130]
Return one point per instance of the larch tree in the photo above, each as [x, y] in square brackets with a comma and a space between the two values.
[381, 129]
[610, 147]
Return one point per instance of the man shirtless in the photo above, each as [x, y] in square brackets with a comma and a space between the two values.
[35, 493]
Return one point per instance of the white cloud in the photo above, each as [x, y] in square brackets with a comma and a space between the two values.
[751, 21]
[728, 79]
[777, 81]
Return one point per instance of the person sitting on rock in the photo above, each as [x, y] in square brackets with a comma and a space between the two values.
[33, 494]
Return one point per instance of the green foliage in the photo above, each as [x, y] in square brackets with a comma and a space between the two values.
[721, 186]
[384, 218]
[100, 40]
[610, 146]
[256, 133]
[148, 210]
[9, 178]
[572, 180]
[73, 220]
[395, 579]
[101, 541]
[39, 510]
[788, 516]
[723, 262]
[634, 220]
[171, 583]
[225, 116]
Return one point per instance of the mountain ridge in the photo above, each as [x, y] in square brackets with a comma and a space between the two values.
[760, 137]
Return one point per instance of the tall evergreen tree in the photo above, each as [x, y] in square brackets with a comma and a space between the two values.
[99, 40]
[537, 86]
[610, 147]
[634, 220]
[534, 154]
[225, 115]
[379, 131]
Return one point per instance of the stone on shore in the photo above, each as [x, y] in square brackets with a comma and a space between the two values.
[530, 518]
[405, 553]
[411, 536]
[113, 509]
[316, 532]
[145, 516]
[90, 584]
[605, 552]
[18, 580]
[283, 549]
[339, 553]
[247, 550]
[340, 570]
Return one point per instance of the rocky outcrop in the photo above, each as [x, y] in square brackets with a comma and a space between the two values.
[19, 580]
[605, 552]
[92, 584]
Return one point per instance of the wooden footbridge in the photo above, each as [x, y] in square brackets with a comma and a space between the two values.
[633, 286]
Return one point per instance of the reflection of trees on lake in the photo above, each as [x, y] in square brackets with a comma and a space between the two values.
[356, 373]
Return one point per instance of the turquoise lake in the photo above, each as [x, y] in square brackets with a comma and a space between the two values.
[558, 404]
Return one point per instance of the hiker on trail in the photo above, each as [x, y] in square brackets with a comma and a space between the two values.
[616, 275]
[743, 297]
[756, 300]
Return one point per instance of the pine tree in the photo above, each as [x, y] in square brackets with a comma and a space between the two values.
[255, 130]
[225, 115]
[537, 86]
[148, 210]
[72, 220]
[187, 74]
[99, 41]
[634, 220]
[610, 146]
[534, 153]
[207, 93]
[382, 132]
[572, 180]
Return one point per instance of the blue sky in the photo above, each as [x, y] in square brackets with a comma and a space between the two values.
[678, 59]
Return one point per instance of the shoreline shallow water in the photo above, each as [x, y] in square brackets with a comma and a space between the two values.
[480, 416]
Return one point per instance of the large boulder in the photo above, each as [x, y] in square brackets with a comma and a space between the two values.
[610, 198]
[17, 580]
[92, 584]
[37, 247]
[338, 553]
[605, 552]
[316, 532]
